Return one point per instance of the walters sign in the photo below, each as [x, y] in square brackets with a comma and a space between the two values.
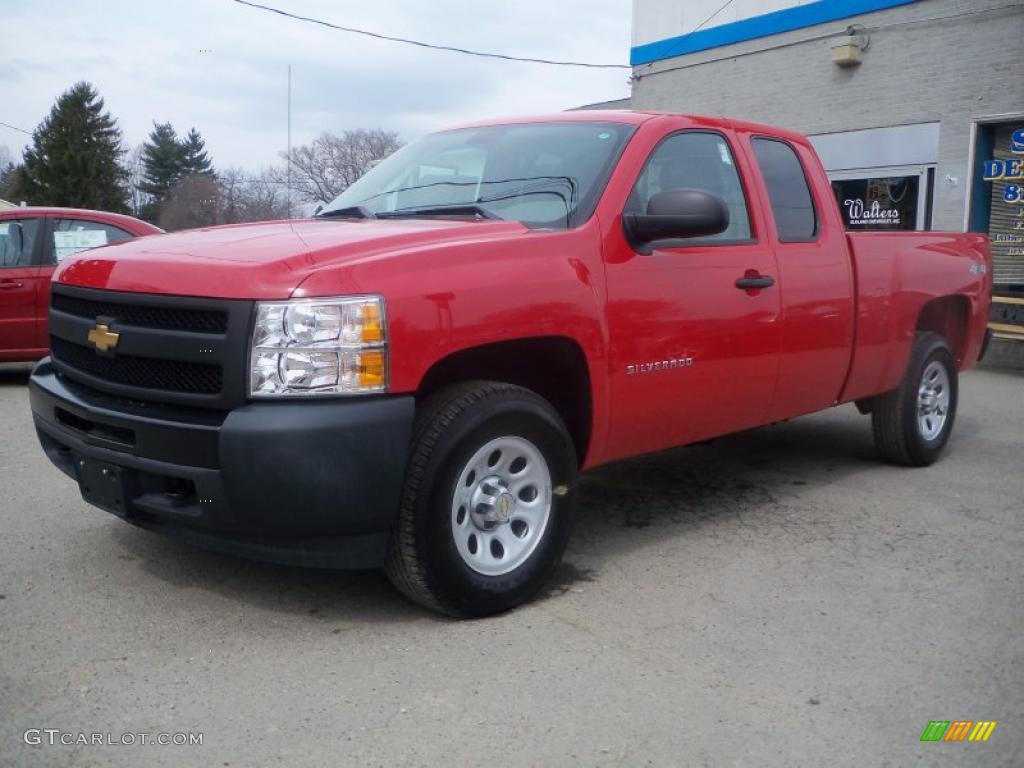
[857, 213]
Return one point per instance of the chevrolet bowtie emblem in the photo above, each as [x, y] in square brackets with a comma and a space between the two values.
[101, 337]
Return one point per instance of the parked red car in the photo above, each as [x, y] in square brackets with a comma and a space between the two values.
[33, 241]
[415, 377]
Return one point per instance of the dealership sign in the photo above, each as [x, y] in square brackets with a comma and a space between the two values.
[859, 213]
[1009, 169]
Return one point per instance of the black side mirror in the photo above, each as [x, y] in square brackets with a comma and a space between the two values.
[676, 213]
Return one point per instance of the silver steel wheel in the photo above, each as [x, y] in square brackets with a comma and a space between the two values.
[933, 400]
[501, 505]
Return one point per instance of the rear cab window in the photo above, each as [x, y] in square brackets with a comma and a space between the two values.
[789, 194]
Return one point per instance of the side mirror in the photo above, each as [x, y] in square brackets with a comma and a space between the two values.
[677, 213]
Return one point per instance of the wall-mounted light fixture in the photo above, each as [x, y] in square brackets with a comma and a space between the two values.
[849, 51]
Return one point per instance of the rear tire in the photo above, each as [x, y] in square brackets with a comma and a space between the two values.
[488, 500]
[912, 423]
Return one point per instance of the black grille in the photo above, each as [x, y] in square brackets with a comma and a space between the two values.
[195, 320]
[146, 372]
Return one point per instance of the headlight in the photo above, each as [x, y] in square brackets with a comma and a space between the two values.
[318, 347]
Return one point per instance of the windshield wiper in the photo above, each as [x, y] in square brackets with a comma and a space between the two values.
[458, 209]
[352, 212]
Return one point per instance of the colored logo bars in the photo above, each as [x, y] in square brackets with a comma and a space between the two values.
[958, 730]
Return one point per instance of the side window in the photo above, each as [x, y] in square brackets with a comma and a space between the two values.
[788, 192]
[694, 160]
[74, 235]
[17, 241]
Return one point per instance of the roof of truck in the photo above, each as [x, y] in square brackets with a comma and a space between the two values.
[636, 117]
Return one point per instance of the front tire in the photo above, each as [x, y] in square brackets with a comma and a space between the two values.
[912, 423]
[488, 500]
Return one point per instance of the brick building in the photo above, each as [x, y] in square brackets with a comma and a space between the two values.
[916, 106]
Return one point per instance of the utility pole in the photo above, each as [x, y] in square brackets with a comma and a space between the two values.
[288, 160]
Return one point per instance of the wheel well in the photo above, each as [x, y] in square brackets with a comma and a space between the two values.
[947, 316]
[552, 366]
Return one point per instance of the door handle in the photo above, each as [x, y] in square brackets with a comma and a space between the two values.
[10, 285]
[753, 282]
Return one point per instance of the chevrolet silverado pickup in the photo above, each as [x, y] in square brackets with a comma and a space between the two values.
[414, 377]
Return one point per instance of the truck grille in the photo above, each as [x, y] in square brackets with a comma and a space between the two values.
[146, 372]
[196, 320]
[171, 349]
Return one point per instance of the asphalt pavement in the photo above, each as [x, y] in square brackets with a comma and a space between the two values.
[775, 598]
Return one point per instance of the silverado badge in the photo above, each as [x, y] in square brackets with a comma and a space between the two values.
[101, 337]
[659, 365]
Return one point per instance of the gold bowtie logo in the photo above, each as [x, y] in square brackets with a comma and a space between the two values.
[101, 337]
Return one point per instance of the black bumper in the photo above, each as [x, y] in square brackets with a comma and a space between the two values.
[313, 483]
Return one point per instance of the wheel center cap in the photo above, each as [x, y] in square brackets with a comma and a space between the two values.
[506, 503]
[492, 503]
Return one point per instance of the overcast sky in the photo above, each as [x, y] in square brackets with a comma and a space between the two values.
[145, 59]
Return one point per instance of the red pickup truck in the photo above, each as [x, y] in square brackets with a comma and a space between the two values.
[415, 377]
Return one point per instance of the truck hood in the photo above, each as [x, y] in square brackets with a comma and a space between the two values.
[267, 260]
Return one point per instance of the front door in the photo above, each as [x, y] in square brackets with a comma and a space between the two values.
[19, 289]
[694, 343]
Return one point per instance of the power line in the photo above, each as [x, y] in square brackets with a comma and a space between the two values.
[681, 40]
[421, 44]
[15, 128]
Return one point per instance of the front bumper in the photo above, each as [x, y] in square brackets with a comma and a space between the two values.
[313, 483]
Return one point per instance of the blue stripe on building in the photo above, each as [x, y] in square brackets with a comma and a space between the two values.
[767, 24]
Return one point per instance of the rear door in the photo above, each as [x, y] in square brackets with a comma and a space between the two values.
[694, 340]
[815, 273]
[20, 285]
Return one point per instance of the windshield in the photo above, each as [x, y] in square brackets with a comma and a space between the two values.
[542, 174]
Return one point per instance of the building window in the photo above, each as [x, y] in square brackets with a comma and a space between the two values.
[889, 203]
[1006, 207]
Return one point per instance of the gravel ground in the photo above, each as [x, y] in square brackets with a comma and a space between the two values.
[776, 598]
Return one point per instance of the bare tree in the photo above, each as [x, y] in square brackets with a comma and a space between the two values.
[192, 202]
[231, 198]
[325, 168]
[251, 197]
[11, 181]
[132, 162]
[265, 199]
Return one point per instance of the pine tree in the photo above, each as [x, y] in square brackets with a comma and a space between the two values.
[11, 182]
[74, 157]
[195, 161]
[162, 161]
[168, 161]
